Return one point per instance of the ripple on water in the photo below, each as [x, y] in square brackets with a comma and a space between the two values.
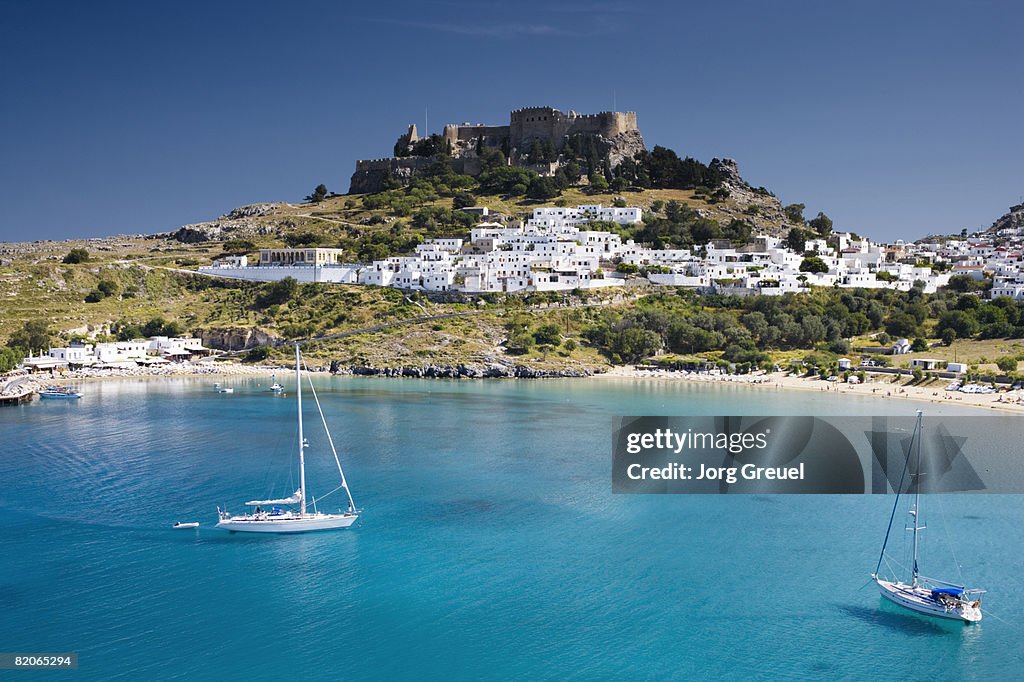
[490, 545]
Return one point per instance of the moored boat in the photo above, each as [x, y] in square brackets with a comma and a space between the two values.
[60, 393]
[926, 595]
[268, 515]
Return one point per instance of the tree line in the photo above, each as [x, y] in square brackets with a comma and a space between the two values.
[744, 328]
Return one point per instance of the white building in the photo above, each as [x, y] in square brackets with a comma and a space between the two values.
[176, 348]
[130, 353]
[552, 252]
[114, 352]
[559, 219]
[901, 347]
[303, 265]
[75, 354]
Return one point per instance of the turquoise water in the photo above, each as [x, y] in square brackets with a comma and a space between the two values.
[490, 547]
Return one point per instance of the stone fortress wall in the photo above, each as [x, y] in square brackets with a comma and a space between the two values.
[470, 133]
[552, 124]
[525, 126]
[544, 123]
[370, 174]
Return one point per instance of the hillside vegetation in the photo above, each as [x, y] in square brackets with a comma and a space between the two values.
[120, 286]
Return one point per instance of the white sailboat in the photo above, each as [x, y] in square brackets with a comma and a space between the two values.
[922, 594]
[268, 517]
[276, 387]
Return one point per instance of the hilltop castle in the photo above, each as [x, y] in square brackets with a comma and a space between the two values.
[614, 136]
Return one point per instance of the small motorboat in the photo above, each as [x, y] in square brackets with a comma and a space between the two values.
[187, 524]
[60, 393]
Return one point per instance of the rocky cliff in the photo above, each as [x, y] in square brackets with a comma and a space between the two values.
[461, 371]
[369, 176]
[235, 338]
[1012, 220]
[729, 171]
[623, 146]
[238, 222]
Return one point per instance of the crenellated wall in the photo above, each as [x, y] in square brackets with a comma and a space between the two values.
[470, 133]
[525, 126]
[550, 123]
[371, 173]
[545, 123]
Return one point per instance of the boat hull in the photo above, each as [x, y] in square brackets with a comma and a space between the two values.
[287, 524]
[919, 599]
[59, 396]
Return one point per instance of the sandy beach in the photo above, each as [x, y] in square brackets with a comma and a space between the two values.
[18, 383]
[879, 386]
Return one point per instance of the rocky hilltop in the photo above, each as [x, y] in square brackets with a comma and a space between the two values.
[237, 222]
[1012, 220]
[536, 138]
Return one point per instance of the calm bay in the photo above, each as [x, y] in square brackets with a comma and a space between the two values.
[490, 545]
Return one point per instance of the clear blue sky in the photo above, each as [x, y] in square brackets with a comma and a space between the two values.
[896, 119]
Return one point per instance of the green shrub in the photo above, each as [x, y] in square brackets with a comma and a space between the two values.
[9, 358]
[1007, 364]
[549, 334]
[257, 354]
[76, 256]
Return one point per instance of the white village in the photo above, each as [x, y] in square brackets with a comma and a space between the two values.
[555, 251]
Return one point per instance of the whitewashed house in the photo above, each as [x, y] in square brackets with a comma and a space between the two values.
[76, 353]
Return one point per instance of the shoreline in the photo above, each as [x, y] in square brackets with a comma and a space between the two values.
[871, 388]
[761, 380]
[38, 381]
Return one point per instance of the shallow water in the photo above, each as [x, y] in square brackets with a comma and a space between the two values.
[490, 544]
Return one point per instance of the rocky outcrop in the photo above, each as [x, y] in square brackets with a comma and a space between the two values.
[369, 176]
[236, 223]
[218, 230]
[461, 371]
[729, 171]
[251, 211]
[623, 146]
[195, 234]
[235, 338]
[1013, 220]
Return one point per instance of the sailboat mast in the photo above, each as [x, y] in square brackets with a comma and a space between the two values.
[917, 496]
[302, 442]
